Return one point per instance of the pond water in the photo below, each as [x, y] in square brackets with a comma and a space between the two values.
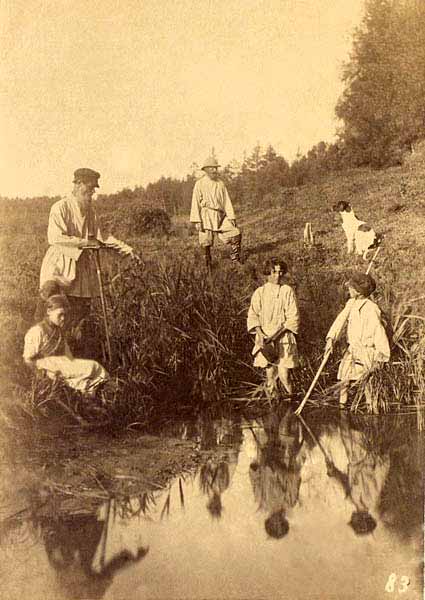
[329, 507]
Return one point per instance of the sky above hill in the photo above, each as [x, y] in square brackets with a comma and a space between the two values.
[137, 89]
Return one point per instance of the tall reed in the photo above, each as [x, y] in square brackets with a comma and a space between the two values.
[179, 341]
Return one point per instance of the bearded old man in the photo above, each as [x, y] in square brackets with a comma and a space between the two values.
[213, 214]
[73, 228]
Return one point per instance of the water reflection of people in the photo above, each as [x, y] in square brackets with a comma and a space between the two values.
[401, 502]
[214, 479]
[216, 473]
[76, 547]
[364, 479]
[276, 474]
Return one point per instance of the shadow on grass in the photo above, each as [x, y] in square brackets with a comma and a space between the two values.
[263, 248]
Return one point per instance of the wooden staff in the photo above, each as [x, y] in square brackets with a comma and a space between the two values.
[102, 300]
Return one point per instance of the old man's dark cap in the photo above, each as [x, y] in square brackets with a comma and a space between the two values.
[86, 175]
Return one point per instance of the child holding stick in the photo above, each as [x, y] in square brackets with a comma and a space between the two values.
[367, 339]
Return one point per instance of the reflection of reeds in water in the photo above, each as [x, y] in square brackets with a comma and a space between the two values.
[396, 437]
[135, 506]
[17, 530]
[166, 508]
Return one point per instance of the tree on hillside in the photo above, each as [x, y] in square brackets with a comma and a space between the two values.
[261, 173]
[166, 193]
[383, 104]
[231, 177]
[273, 175]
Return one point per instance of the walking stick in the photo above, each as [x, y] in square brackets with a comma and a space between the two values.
[102, 300]
[327, 354]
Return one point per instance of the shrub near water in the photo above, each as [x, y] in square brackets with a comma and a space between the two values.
[178, 336]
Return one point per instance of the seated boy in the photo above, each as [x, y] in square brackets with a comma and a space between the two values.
[46, 349]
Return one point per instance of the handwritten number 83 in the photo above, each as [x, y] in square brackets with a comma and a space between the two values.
[391, 584]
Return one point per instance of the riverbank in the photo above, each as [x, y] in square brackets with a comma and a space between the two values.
[179, 337]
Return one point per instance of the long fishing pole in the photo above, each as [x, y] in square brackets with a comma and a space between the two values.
[325, 358]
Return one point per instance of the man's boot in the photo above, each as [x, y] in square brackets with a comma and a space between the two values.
[235, 252]
[208, 261]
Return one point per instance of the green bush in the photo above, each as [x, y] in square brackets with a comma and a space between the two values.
[135, 220]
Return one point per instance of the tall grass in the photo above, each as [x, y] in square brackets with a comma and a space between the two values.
[179, 337]
[179, 342]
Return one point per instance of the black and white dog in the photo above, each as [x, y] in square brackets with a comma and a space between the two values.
[360, 237]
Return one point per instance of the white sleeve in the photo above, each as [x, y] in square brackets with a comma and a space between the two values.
[57, 234]
[338, 325]
[32, 343]
[254, 311]
[195, 214]
[292, 321]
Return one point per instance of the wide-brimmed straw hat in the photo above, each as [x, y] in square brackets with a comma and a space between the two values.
[211, 161]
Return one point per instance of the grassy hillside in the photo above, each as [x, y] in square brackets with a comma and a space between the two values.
[392, 201]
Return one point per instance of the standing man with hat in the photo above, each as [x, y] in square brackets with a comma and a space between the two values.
[73, 227]
[212, 212]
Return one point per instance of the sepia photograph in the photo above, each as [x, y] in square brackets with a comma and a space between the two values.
[212, 311]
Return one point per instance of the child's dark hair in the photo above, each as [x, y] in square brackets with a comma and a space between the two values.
[270, 263]
[362, 522]
[57, 301]
[276, 525]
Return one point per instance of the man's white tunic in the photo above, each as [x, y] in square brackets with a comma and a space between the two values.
[210, 204]
[69, 224]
